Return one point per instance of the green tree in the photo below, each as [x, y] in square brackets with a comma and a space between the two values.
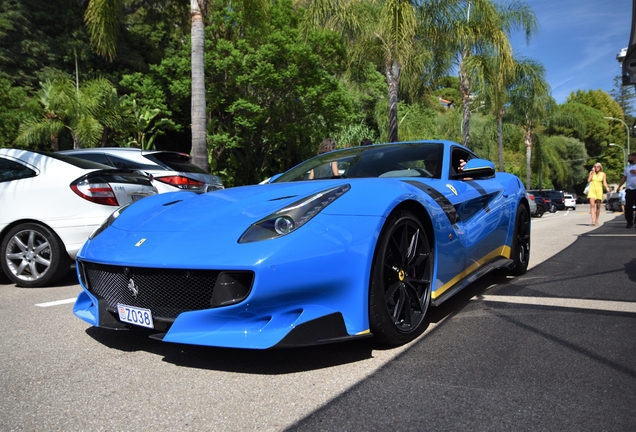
[547, 161]
[42, 40]
[566, 160]
[352, 134]
[447, 88]
[274, 97]
[136, 31]
[143, 125]
[587, 125]
[597, 99]
[13, 111]
[604, 104]
[417, 121]
[368, 89]
[36, 38]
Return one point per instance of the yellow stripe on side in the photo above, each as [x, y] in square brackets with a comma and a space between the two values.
[502, 251]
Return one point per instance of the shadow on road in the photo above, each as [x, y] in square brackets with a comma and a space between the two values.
[561, 271]
[276, 361]
[262, 362]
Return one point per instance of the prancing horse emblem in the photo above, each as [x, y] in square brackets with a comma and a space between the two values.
[132, 288]
[453, 190]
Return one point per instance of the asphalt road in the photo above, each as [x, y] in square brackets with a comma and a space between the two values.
[551, 350]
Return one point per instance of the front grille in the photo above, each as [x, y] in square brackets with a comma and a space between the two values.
[166, 292]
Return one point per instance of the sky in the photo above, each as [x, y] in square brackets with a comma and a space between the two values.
[577, 43]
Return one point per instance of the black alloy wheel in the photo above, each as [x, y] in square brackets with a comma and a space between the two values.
[521, 241]
[401, 280]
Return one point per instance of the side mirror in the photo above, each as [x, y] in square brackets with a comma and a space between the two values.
[476, 168]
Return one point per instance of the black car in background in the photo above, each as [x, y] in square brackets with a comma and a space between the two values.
[614, 202]
[556, 198]
[543, 205]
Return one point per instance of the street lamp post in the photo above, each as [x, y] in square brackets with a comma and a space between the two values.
[626, 130]
[624, 152]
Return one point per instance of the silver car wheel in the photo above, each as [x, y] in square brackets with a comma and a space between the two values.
[33, 256]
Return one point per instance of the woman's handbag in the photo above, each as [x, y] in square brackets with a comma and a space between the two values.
[587, 189]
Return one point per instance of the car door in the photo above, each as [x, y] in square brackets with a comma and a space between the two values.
[482, 213]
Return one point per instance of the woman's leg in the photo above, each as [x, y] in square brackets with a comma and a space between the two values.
[593, 210]
[598, 211]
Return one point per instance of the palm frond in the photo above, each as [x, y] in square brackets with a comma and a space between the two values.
[38, 132]
[101, 19]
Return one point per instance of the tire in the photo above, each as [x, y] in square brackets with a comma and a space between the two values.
[539, 212]
[553, 208]
[33, 256]
[401, 280]
[521, 242]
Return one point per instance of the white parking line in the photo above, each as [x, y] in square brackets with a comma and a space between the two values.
[633, 234]
[57, 303]
[603, 305]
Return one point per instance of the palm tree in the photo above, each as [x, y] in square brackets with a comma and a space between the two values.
[477, 27]
[547, 160]
[197, 99]
[82, 111]
[391, 43]
[496, 82]
[530, 104]
[46, 129]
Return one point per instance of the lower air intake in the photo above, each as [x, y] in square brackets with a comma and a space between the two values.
[166, 292]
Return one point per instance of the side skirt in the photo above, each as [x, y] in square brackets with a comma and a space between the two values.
[487, 268]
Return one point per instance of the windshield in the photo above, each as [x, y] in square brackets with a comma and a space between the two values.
[385, 160]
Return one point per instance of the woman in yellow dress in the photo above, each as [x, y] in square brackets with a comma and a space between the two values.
[597, 180]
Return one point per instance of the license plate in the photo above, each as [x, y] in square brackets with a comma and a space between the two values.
[137, 197]
[135, 315]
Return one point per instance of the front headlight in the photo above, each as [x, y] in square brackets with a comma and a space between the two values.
[293, 216]
[108, 222]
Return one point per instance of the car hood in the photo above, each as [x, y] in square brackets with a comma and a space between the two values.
[235, 207]
[185, 229]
